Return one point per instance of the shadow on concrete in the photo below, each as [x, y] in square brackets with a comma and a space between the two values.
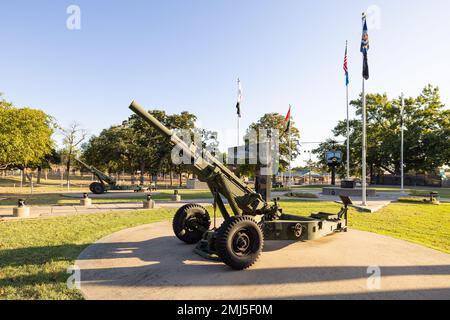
[167, 255]
[418, 294]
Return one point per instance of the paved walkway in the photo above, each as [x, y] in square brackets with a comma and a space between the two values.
[375, 204]
[54, 211]
[111, 195]
[135, 264]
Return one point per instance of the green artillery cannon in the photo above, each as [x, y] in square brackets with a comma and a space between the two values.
[239, 241]
[106, 182]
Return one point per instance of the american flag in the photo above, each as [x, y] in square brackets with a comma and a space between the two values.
[346, 66]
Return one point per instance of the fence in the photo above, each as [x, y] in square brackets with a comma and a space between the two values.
[410, 180]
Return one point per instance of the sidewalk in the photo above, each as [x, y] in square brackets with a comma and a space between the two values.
[375, 204]
[56, 211]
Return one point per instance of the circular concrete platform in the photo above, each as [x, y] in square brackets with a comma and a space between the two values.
[148, 262]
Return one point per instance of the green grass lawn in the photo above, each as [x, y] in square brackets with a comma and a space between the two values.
[35, 254]
[413, 191]
[425, 224]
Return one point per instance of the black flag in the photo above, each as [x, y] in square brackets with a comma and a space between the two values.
[366, 67]
[239, 99]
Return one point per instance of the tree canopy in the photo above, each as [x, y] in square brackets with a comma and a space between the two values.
[25, 136]
[136, 146]
[426, 136]
[288, 144]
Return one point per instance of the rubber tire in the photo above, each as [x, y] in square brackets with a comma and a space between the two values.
[224, 240]
[179, 223]
[97, 188]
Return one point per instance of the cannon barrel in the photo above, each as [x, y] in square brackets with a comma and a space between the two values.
[151, 120]
[163, 130]
[210, 170]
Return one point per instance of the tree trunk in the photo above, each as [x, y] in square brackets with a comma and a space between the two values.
[68, 171]
[142, 177]
[181, 179]
[39, 173]
[26, 176]
[171, 178]
[371, 172]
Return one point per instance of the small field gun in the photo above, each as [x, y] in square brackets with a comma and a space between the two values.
[240, 239]
[106, 182]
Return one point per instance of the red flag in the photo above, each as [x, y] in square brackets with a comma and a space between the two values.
[287, 121]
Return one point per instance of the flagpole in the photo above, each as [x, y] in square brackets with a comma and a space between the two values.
[402, 166]
[348, 121]
[238, 130]
[365, 76]
[239, 99]
[364, 147]
[348, 138]
[290, 155]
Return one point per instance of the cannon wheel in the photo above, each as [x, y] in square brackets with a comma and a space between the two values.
[239, 242]
[190, 223]
[97, 188]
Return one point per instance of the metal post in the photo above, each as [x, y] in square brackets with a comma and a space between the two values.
[290, 156]
[348, 140]
[402, 166]
[364, 147]
[310, 167]
[239, 101]
[238, 131]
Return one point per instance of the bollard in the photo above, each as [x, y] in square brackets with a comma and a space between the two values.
[22, 211]
[176, 196]
[86, 201]
[149, 203]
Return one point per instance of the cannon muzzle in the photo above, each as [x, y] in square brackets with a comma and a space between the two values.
[151, 120]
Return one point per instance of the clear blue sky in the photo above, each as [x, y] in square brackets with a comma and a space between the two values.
[186, 55]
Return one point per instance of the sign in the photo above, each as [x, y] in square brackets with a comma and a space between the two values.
[334, 157]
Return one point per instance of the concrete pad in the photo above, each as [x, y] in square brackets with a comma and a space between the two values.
[372, 206]
[148, 262]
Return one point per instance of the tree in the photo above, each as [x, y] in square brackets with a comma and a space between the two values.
[111, 150]
[73, 136]
[427, 138]
[136, 146]
[288, 145]
[25, 136]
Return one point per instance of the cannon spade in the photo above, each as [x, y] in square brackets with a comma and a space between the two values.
[250, 220]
